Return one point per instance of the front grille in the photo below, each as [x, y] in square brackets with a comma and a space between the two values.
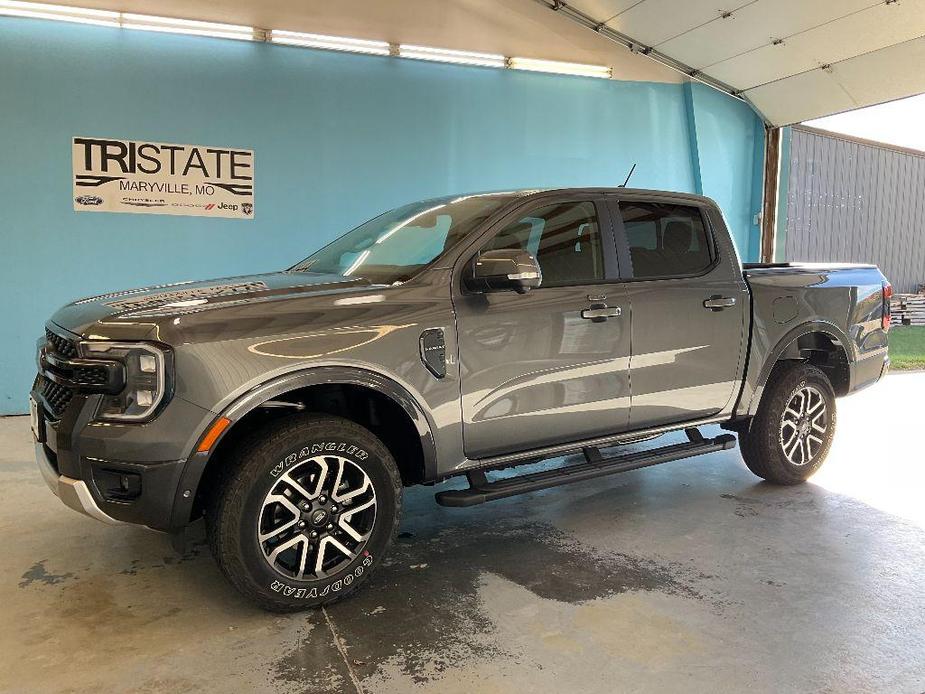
[90, 376]
[61, 345]
[57, 397]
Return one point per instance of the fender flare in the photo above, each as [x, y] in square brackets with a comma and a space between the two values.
[196, 463]
[784, 343]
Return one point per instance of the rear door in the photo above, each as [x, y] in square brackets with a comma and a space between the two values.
[689, 309]
[550, 365]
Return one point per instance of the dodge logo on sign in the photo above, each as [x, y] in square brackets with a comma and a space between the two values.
[160, 178]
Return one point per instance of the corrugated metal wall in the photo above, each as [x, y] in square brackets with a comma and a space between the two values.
[851, 201]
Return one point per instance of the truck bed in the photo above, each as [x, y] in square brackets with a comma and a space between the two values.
[751, 268]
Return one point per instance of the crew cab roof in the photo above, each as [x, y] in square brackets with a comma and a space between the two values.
[641, 192]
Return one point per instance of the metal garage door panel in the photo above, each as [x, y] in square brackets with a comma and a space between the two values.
[656, 21]
[801, 97]
[862, 32]
[602, 9]
[764, 64]
[890, 73]
[753, 26]
[884, 75]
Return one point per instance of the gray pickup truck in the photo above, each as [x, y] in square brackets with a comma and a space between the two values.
[454, 336]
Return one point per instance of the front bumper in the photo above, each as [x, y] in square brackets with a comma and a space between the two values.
[73, 493]
[111, 471]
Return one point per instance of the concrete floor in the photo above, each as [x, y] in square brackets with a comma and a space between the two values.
[689, 576]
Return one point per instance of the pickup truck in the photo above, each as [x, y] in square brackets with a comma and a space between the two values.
[450, 337]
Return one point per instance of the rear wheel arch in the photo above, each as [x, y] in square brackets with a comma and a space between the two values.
[368, 398]
[821, 344]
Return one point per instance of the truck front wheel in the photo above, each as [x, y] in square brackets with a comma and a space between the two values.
[307, 508]
[792, 431]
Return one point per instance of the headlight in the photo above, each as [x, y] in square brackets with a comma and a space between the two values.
[146, 379]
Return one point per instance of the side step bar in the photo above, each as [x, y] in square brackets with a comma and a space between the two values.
[481, 490]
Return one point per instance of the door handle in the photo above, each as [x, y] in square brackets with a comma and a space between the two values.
[718, 303]
[598, 315]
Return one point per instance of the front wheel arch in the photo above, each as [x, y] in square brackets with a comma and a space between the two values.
[246, 413]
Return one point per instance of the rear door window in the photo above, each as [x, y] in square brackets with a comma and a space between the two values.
[666, 240]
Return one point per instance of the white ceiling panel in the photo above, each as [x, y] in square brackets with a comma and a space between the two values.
[800, 98]
[774, 51]
[755, 25]
[859, 33]
[766, 64]
[891, 73]
[887, 74]
[655, 21]
[603, 9]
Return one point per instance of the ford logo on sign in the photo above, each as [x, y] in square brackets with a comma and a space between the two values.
[88, 200]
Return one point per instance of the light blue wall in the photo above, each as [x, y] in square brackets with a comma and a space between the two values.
[727, 146]
[337, 139]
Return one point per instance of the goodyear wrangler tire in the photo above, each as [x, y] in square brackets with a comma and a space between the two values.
[309, 507]
[793, 429]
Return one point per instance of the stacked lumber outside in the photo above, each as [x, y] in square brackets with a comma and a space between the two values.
[907, 309]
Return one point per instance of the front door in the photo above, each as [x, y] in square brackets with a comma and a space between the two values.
[550, 365]
[689, 305]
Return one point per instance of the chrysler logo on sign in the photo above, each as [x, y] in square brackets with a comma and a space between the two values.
[161, 178]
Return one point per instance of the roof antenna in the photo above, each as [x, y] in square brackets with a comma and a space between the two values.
[628, 177]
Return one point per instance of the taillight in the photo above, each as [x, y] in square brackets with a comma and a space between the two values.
[887, 294]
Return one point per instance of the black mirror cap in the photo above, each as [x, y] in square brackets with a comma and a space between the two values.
[504, 270]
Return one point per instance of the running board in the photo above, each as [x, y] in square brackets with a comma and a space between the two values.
[481, 490]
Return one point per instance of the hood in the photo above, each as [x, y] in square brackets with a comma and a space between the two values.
[135, 313]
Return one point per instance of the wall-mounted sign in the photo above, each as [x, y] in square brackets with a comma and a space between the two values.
[161, 178]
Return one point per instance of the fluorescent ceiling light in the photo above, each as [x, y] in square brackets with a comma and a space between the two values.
[169, 25]
[331, 43]
[445, 55]
[127, 20]
[560, 68]
[62, 13]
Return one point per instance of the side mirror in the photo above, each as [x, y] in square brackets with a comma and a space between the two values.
[504, 269]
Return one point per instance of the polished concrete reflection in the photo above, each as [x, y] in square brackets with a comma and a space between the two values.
[691, 576]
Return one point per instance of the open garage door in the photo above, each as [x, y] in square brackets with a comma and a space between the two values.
[793, 60]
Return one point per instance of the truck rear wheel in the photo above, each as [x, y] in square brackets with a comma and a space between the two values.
[792, 431]
[309, 505]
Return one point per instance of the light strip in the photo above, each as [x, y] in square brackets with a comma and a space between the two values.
[446, 55]
[169, 25]
[331, 43]
[561, 68]
[126, 20]
[79, 15]
[188, 32]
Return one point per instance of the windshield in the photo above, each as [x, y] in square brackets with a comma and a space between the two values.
[394, 246]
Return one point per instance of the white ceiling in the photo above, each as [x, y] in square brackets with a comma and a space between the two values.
[508, 27]
[793, 59]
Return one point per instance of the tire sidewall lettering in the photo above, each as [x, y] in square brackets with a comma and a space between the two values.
[348, 450]
[295, 593]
